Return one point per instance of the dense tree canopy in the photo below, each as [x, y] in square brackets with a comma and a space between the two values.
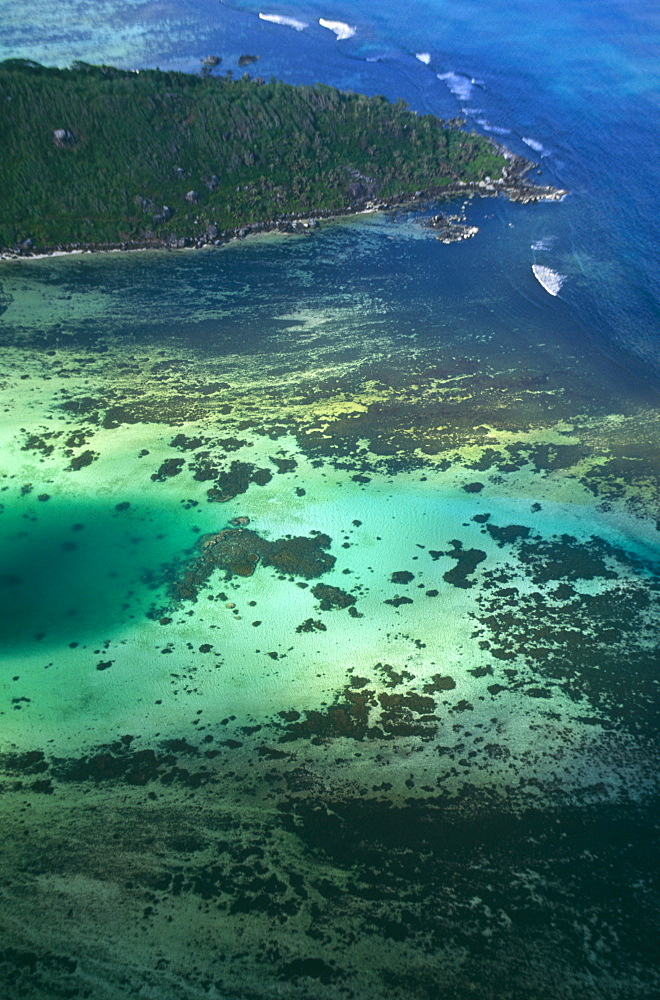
[98, 154]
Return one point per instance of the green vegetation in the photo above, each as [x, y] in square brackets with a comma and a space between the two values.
[94, 154]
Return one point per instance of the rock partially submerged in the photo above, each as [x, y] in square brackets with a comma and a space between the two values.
[451, 228]
[514, 184]
[63, 138]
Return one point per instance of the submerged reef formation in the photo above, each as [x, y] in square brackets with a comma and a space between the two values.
[239, 550]
[101, 158]
[341, 680]
[445, 781]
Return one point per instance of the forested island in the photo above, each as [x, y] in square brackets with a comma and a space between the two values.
[96, 157]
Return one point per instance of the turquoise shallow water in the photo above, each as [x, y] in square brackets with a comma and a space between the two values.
[479, 668]
[395, 735]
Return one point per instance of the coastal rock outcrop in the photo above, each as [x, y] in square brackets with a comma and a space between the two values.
[412, 158]
[450, 228]
[165, 213]
[64, 138]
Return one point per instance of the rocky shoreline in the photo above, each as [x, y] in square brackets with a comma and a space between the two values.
[450, 228]
[513, 185]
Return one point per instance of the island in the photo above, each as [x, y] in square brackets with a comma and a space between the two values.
[96, 157]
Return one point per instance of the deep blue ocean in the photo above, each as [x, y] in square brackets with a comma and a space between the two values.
[573, 86]
[329, 590]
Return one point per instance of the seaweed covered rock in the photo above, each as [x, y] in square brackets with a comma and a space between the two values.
[332, 597]
[239, 550]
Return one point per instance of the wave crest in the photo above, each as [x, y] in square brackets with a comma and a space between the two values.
[549, 279]
[496, 129]
[460, 86]
[340, 28]
[534, 144]
[291, 22]
[545, 243]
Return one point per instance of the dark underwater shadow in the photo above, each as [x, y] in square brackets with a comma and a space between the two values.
[77, 572]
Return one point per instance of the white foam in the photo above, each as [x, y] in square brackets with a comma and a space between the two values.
[534, 144]
[543, 244]
[290, 22]
[424, 57]
[460, 86]
[551, 280]
[340, 28]
[496, 129]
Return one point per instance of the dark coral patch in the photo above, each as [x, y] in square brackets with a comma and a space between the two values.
[310, 968]
[508, 534]
[566, 559]
[239, 550]
[439, 683]
[171, 467]
[332, 597]
[83, 459]
[236, 480]
[467, 561]
[187, 443]
[311, 625]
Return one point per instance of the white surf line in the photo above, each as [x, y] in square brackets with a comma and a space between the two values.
[340, 28]
[549, 279]
[459, 84]
[290, 22]
[534, 144]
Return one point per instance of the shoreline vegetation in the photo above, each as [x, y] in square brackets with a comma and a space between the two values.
[103, 159]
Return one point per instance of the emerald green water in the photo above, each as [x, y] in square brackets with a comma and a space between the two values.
[438, 768]
[71, 570]
[454, 795]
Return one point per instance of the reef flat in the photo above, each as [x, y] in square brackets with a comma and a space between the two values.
[328, 645]
[101, 158]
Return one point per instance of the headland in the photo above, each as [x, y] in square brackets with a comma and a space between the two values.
[99, 158]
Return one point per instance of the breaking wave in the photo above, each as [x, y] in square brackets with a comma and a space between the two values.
[545, 243]
[551, 280]
[460, 86]
[424, 57]
[340, 28]
[534, 144]
[291, 22]
[496, 129]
